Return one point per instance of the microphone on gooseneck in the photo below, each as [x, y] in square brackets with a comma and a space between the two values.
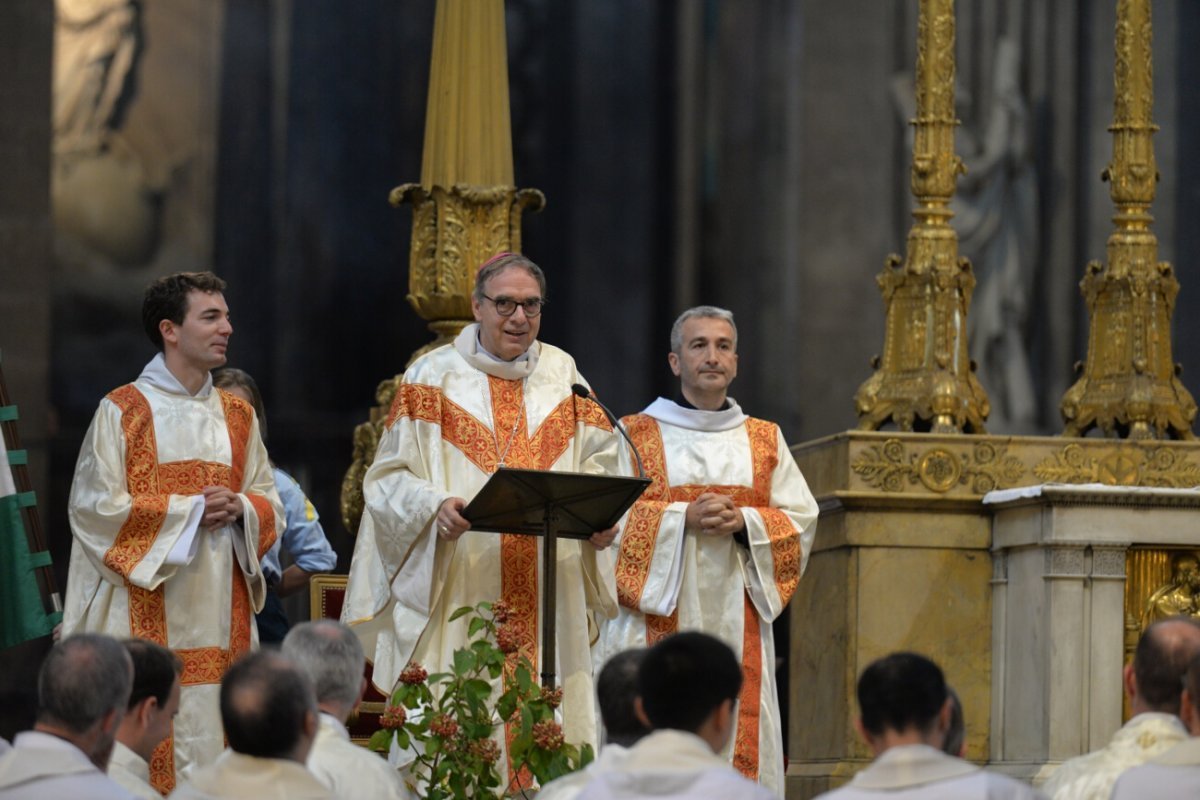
[586, 393]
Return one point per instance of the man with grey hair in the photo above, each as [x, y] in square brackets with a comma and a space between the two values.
[331, 656]
[720, 539]
[83, 688]
[494, 397]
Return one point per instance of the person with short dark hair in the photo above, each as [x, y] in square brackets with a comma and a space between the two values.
[303, 537]
[904, 716]
[616, 693]
[172, 506]
[152, 707]
[956, 734]
[719, 540]
[1154, 684]
[331, 656]
[269, 713]
[495, 396]
[1175, 773]
[688, 687]
[83, 689]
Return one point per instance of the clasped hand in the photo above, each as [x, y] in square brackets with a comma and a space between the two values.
[714, 514]
[221, 506]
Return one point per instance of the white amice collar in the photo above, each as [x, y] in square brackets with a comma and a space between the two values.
[521, 367]
[696, 419]
[157, 375]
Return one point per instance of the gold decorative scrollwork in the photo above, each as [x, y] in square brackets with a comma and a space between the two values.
[982, 468]
[1164, 467]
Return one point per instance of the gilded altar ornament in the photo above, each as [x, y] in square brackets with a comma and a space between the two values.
[1132, 465]
[925, 379]
[980, 468]
[1179, 595]
[466, 208]
[1130, 386]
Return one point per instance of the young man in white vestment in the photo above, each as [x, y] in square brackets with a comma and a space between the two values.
[331, 657]
[152, 706]
[617, 694]
[719, 541]
[1154, 683]
[172, 507]
[904, 716]
[83, 688]
[269, 713]
[1175, 773]
[688, 687]
[495, 396]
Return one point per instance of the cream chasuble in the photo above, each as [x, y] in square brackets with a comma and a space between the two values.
[456, 414]
[669, 581]
[140, 563]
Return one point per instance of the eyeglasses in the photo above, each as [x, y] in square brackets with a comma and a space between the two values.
[506, 306]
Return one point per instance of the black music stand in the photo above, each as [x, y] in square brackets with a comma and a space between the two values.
[551, 504]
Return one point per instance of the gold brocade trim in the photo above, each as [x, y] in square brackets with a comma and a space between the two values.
[266, 523]
[785, 552]
[239, 420]
[659, 628]
[641, 528]
[203, 665]
[181, 477]
[240, 636]
[162, 765]
[148, 509]
[745, 743]
[147, 613]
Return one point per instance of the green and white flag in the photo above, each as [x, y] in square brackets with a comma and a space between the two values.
[22, 615]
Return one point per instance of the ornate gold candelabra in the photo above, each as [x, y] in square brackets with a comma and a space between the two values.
[466, 207]
[1130, 385]
[924, 376]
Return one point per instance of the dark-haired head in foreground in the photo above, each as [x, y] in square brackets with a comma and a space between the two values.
[154, 701]
[1154, 681]
[268, 708]
[617, 693]
[903, 699]
[690, 682]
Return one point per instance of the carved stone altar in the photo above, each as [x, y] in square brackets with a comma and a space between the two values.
[909, 556]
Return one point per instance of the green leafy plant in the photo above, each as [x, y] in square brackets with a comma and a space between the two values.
[448, 719]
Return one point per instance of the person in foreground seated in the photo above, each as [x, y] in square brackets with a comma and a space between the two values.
[904, 716]
[83, 688]
[330, 655]
[152, 706]
[270, 718]
[688, 685]
[617, 693]
[1154, 682]
[1175, 773]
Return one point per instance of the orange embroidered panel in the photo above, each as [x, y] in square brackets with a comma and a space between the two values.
[162, 765]
[239, 419]
[658, 628]
[745, 743]
[785, 551]
[240, 636]
[190, 477]
[149, 508]
[459, 428]
[203, 665]
[147, 613]
[266, 522]
[641, 527]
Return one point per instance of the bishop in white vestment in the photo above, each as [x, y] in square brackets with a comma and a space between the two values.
[495, 396]
[731, 582]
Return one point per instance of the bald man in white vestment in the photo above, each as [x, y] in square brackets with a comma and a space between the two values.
[719, 541]
[331, 656]
[905, 712]
[1175, 773]
[1154, 683]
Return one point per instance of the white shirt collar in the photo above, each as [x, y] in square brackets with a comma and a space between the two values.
[696, 419]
